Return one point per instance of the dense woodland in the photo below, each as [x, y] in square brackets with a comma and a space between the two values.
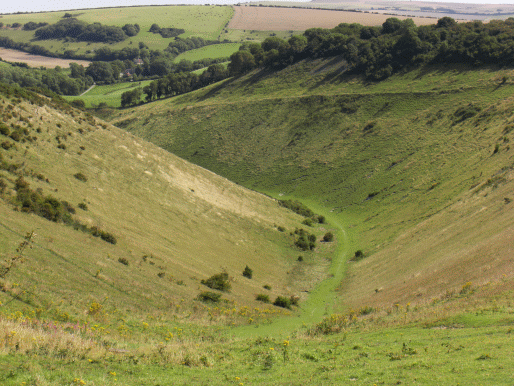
[77, 30]
[381, 51]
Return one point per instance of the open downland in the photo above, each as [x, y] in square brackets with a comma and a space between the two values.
[286, 19]
[37, 60]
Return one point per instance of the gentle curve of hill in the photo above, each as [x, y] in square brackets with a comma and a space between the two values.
[419, 165]
[174, 223]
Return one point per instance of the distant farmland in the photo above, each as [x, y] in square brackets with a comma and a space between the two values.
[37, 60]
[295, 19]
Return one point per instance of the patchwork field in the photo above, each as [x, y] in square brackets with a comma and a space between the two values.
[37, 60]
[285, 19]
[206, 22]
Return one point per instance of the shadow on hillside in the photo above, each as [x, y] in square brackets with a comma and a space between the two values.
[213, 91]
[336, 68]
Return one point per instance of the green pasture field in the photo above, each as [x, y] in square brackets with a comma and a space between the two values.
[206, 22]
[109, 94]
[215, 51]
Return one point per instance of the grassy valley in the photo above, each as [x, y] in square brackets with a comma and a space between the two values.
[376, 156]
[295, 223]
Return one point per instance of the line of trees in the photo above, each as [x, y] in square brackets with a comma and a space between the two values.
[53, 79]
[82, 31]
[175, 84]
[381, 51]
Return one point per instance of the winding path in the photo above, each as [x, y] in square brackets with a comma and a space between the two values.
[321, 300]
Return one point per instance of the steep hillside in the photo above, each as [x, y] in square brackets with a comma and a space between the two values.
[161, 224]
[417, 167]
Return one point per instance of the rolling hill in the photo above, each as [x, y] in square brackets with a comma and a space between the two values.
[173, 223]
[417, 167]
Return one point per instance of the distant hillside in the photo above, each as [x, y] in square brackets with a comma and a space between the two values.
[417, 167]
[122, 223]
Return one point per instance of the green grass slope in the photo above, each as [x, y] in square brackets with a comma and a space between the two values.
[417, 167]
[175, 223]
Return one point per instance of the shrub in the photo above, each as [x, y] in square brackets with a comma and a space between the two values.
[209, 297]
[308, 222]
[282, 301]
[262, 298]
[296, 207]
[106, 236]
[80, 176]
[267, 286]
[123, 261]
[248, 272]
[359, 255]
[4, 130]
[329, 236]
[15, 136]
[281, 229]
[82, 205]
[219, 282]
[300, 258]
[305, 240]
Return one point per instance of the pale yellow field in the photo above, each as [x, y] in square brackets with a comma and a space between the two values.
[291, 19]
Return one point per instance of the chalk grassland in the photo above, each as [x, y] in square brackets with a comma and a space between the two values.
[175, 224]
[109, 94]
[285, 19]
[214, 52]
[37, 60]
[376, 156]
[203, 21]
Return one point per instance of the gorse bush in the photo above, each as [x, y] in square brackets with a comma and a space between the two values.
[282, 301]
[304, 240]
[80, 176]
[219, 282]
[262, 298]
[328, 237]
[209, 297]
[297, 207]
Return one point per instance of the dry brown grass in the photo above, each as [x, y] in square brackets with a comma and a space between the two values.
[458, 245]
[293, 19]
